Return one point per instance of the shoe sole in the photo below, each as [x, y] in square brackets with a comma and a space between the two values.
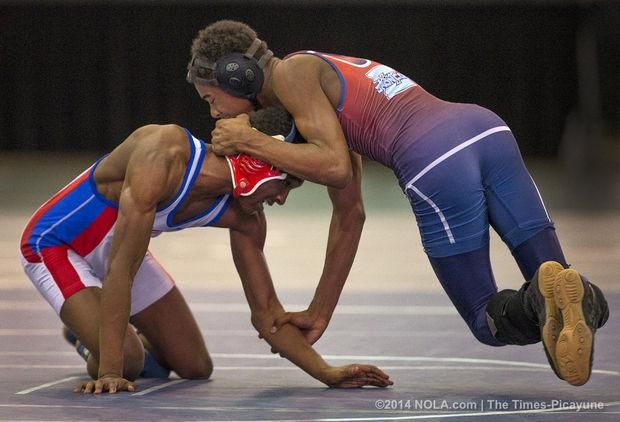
[575, 342]
[547, 276]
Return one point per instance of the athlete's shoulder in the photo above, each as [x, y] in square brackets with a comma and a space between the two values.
[143, 145]
[169, 139]
[159, 133]
[292, 75]
[299, 59]
[332, 57]
[298, 53]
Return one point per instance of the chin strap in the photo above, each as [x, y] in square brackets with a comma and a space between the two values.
[248, 173]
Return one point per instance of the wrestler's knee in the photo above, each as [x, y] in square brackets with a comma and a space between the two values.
[484, 336]
[133, 356]
[480, 327]
[198, 368]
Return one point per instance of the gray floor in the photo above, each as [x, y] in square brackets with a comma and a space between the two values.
[392, 314]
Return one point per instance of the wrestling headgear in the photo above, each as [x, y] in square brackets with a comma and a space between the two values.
[239, 74]
[248, 173]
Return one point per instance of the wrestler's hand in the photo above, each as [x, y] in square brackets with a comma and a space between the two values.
[228, 133]
[310, 324]
[109, 383]
[355, 376]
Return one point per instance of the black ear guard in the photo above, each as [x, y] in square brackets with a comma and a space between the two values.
[239, 74]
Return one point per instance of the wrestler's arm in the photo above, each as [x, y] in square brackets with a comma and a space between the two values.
[298, 86]
[345, 231]
[147, 182]
[324, 159]
[247, 238]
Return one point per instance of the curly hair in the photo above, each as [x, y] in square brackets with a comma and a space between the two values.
[272, 121]
[276, 121]
[225, 37]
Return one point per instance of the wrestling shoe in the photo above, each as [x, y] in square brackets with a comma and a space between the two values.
[69, 336]
[75, 342]
[543, 302]
[584, 310]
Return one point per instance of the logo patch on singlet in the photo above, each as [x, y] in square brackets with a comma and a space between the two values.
[388, 81]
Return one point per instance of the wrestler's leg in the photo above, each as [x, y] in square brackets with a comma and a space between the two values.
[174, 337]
[70, 286]
[452, 218]
[468, 280]
[518, 214]
[454, 214]
[81, 314]
[161, 315]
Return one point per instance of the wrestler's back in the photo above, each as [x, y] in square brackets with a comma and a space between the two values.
[382, 111]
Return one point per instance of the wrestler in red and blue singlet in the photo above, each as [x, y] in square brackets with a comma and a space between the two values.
[462, 171]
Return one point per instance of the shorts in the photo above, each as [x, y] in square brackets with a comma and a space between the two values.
[67, 273]
[465, 175]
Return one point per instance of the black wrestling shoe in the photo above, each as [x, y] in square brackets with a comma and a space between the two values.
[69, 336]
[75, 342]
[584, 310]
[542, 299]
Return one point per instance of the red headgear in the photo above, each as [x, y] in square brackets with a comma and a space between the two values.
[248, 173]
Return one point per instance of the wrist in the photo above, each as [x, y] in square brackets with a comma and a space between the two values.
[252, 142]
[110, 369]
[320, 310]
[108, 374]
[246, 139]
[327, 375]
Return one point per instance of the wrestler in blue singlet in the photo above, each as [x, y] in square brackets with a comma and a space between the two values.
[461, 169]
[66, 243]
